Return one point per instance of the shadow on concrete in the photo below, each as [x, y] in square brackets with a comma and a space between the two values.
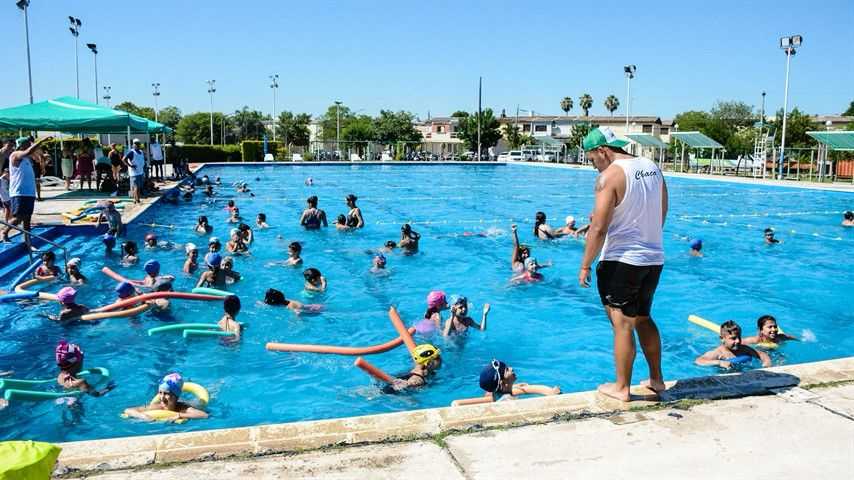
[732, 385]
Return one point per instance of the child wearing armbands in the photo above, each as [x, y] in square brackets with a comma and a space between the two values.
[731, 351]
[69, 359]
[228, 322]
[768, 332]
[168, 393]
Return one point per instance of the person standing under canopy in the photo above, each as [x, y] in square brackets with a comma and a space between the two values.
[628, 218]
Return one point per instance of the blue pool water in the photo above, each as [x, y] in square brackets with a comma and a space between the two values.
[552, 333]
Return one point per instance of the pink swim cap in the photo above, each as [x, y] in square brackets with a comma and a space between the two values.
[68, 353]
[435, 299]
[66, 295]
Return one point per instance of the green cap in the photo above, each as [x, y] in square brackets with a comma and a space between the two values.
[602, 136]
[20, 141]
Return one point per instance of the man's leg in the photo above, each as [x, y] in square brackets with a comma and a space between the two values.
[650, 341]
[624, 354]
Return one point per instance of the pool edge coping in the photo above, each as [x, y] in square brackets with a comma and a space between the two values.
[123, 453]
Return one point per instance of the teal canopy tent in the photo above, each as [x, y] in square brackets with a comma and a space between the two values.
[67, 114]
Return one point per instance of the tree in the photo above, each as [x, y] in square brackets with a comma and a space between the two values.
[249, 124]
[196, 128]
[692, 121]
[328, 121]
[612, 103]
[391, 127]
[566, 105]
[169, 116]
[850, 111]
[459, 114]
[359, 129]
[293, 129]
[579, 131]
[513, 135]
[130, 107]
[797, 126]
[585, 102]
[490, 129]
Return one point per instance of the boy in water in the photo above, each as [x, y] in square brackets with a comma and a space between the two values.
[228, 322]
[731, 351]
[696, 246]
[767, 331]
[769, 237]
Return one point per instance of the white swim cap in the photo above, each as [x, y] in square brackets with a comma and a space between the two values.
[570, 219]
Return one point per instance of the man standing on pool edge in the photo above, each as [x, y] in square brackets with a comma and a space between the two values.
[628, 217]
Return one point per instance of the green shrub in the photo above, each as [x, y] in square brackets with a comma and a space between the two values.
[308, 157]
[253, 150]
[203, 153]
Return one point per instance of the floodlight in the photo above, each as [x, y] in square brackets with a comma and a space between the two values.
[796, 40]
[785, 42]
[23, 4]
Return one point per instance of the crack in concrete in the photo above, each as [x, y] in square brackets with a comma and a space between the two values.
[841, 414]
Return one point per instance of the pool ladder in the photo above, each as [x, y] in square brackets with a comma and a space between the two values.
[29, 247]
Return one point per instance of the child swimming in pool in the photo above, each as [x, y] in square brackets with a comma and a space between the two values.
[47, 270]
[168, 393]
[341, 223]
[408, 239]
[246, 233]
[203, 227]
[696, 246]
[520, 252]
[228, 322]
[192, 261]
[152, 270]
[274, 297]
[531, 272]
[427, 359]
[848, 219]
[150, 241]
[498, 381]
[261, 221]
[731, 350]
[294, 251]
[379, 263]
[214, 245]
[109, 241]
[69, 310]
[236, 244]
[130, 253]
[235, 216]
[216, 276]
[314, 281]
[767, 331]
[459, 321]
[432, 321]
[73, 271]
[69, 359]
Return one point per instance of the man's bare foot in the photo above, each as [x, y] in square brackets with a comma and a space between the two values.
[611, 391]
[657, 386]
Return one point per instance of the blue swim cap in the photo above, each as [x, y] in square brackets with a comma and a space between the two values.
[109, 240]
[124, 290]
[152, 267]
[172, 383]
[696, 244]
[490, 376]
[213, 259]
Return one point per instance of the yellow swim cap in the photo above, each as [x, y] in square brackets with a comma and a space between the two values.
[424, 353]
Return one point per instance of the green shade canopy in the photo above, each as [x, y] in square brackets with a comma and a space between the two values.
[68, 114]
[151, 125]
[695, 140]
[647, 140]
[843, 140]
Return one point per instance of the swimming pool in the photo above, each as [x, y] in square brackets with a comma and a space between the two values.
[551, 333]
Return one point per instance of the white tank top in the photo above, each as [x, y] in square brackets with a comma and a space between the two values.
[634, 235]
[22, 179]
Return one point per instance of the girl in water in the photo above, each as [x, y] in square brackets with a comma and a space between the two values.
[520, 252]
[130, 253]
[354, 216]
[235, 216]
[276, 298]
[408, 239]
[236, 244]
[314, 281]
[215, 276]
[73, 271]
[341, 223]
[543, 230]
[531, 272]
[312, 217]
[192, 261]
[432, 321]
[294, 251]
[203, 227]
[47, 270]
[168, 393]
[261, 221]
[767, 331]
[69, 359]
[69, 309]
[427, 359]
[459, 322]
[150, 241]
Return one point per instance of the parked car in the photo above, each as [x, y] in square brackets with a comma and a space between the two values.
[511, 156]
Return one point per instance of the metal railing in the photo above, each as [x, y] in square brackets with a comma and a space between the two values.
[30, 250]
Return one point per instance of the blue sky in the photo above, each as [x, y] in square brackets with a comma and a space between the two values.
[421, 56]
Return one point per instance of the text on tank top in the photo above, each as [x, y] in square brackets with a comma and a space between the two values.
[635, 233]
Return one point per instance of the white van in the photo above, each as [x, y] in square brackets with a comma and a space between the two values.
[511, 156]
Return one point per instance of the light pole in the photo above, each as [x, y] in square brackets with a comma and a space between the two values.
[23, 4]
[337, 126]
[211, 90]
[629, 70]
[94, 49]
[274, 85]
[156, 94]
[74, 27]
[107, 98]
[788, 44]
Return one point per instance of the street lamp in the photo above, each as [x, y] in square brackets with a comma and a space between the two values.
[337, 126]
[107, 98]
[274, 86]
[156, 93]
[23, 4]
[211, 90]
[629, 70]
[788, 44]
[74, 28]
[94, 49]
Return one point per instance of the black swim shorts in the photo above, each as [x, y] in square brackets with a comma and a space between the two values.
[627, 287]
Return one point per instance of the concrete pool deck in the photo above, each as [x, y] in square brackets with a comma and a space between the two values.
[782, 422]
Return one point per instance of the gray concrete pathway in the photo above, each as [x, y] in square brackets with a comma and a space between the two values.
[795, 434]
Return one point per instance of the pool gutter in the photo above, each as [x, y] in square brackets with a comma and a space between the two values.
[134, 452]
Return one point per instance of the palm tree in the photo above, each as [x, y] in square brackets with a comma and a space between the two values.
[585, 102]
[566, 105]
[612, 103]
